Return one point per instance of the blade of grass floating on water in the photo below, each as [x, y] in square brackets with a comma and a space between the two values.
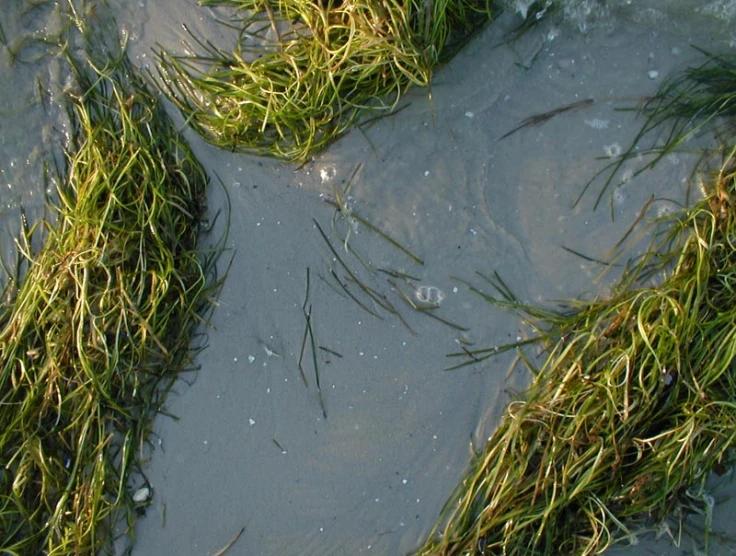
[588, 258]
[351, 296]
[340, 203]
[398, 274]
[635, 223]
[306, 331]
[474, 356]
[499, 285]
[383, 302]
[687, 104]
[403, 321]
[508, 299]
[278, 445]
[330, 351]
[330, 285]
[225, 549]
[312, 343]
[539, 119]
[405, 296]
[301, 356]
[379, 299]
[370, 121]
[376, 297]
[618, 250]
[428, 312]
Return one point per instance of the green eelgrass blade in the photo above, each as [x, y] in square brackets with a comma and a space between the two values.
[375, 229]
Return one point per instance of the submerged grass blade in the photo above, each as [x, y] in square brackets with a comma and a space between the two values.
[539, 119]
[688, 104]
[376, 230]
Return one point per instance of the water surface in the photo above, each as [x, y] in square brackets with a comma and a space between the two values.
[251, 447]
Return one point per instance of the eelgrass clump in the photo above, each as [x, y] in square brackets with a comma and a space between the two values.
[633, 407]
[97, 322]
[304, 70]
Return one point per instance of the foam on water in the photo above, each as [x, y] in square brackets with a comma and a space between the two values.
[589, 15]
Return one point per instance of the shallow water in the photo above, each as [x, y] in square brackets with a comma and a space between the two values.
[251, 447]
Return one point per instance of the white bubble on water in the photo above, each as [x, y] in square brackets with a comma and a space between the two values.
[618, 197]
[613, 150]
[627, 175]
[429, 294]
[327, 173]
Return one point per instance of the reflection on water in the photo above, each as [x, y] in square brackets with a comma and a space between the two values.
[33, 126]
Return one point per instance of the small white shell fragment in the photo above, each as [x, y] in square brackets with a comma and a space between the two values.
[252, 422]
[653, 74]
[251, 358]
[469, 115]
[142, 495]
